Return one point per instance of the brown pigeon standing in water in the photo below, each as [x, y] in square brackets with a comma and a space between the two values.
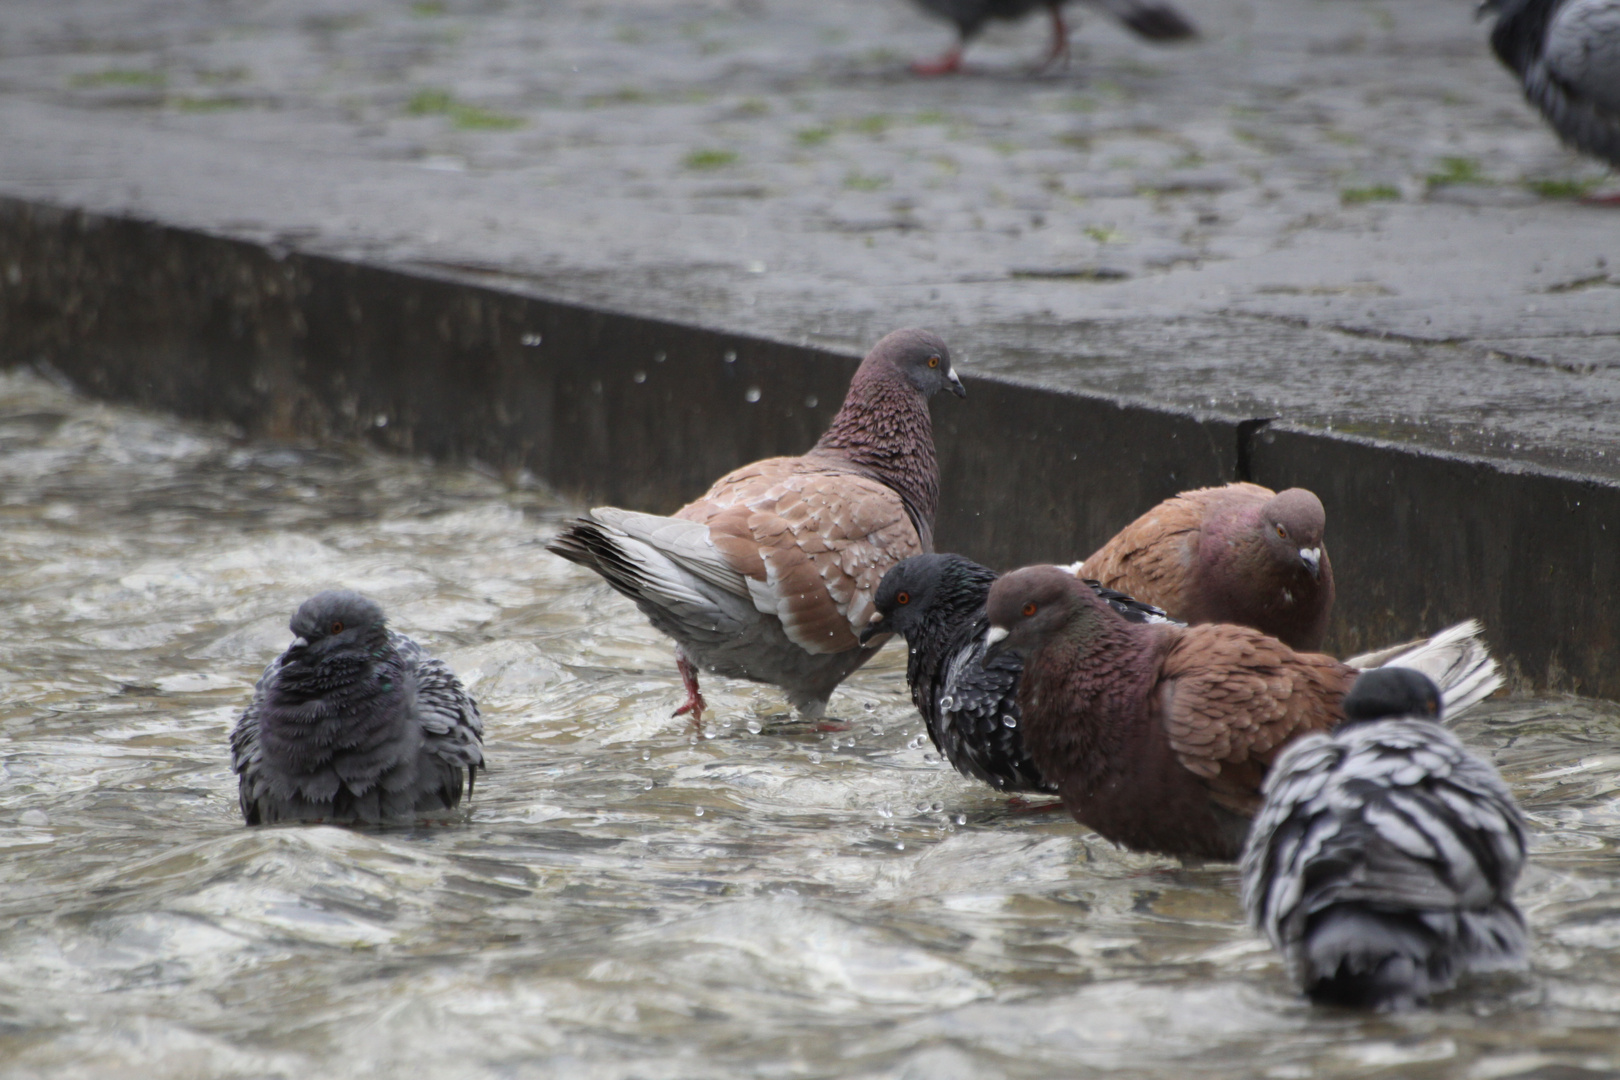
[1158, 736]
[770, 576]
[1235, 554]
[1155, 20]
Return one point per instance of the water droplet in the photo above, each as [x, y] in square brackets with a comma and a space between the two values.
[731, 356]
[960, 819]
[812, 401]
[381, 420]
[754, 727]
[698, 811]
[899, 845]
[34, 817]
[922, 808]
[647, 785]
[725, 723]
[639, 377]
[646, 755]
[1009, 720]
[660, 356]
[752, 395]
[870, 706]
[531, 340]
[815, 757]
[884, 811]
[937, 807]
[708, 733]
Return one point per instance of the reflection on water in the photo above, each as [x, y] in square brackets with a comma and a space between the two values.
[626, 900]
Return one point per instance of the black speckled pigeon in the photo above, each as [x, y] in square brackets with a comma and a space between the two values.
[1156, 20]
[1383, 860]
[971, 706]
[354, 724]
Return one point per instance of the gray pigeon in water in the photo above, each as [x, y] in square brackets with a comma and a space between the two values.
[1567, 53]
[1382, 863]
[769, 577]
[970, 704]
[355, 724]
[1155, 20]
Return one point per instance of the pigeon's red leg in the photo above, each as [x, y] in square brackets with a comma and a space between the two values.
[1020, 805]
[694, 698]
[1060, 38]
[949, 63]
[1610, 199]
[833, 725]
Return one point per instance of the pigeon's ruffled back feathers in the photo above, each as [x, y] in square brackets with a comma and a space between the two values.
[1382, 864]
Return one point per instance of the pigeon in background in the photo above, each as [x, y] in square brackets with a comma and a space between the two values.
[1567, 54]
[769, 577]
[1240, 553]
[1382, 863]
[354, 724]
[1155, 20]
[971, 706]
[1159, 737]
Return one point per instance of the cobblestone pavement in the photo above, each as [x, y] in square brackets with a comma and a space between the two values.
[1336, 211]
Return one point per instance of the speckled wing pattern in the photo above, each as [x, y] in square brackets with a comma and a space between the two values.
[1414, 841]
[1153, 557]
[809, 542]
[1230, 697]
[452, 728]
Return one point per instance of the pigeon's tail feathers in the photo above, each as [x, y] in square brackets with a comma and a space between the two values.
[1358, 955]
[1456, 659]
[1151, 19]
[664, 565]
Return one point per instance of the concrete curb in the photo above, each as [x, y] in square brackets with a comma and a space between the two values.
[613, 407]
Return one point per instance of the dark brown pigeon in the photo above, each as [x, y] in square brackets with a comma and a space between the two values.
[1235, 554]
[1158, 736]
[770, 576]
[1155, 20]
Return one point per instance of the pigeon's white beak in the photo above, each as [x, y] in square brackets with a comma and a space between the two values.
[997, 633]
[956, 385]
[1312, 558]
[298, 643]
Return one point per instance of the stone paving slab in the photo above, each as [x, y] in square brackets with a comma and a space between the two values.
[1339, 212]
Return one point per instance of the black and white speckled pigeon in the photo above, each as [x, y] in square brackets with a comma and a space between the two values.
[1382, 863]
[1567, 53]
[354, 724]
[971, 707]
[769, 576]
[1155, 20]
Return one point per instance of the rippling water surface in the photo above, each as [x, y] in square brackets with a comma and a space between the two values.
[625, 899]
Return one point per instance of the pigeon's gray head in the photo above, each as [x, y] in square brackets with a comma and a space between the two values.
[906, 597]
[1291, 526]
[921, 356]
[1387, 692]
[335, 619]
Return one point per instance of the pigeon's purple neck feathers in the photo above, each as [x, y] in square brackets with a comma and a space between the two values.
[884, 429]
[1254, 578]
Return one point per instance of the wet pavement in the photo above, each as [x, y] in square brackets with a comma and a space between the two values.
[623, 899]
[1340, 212]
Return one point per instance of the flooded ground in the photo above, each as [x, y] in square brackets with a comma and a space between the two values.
[625, 899]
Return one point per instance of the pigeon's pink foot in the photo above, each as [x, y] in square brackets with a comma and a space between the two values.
[1020, 805]
[833, 725]
[947, 64]
[1060, 41]
[695, 705]
[1611, 198]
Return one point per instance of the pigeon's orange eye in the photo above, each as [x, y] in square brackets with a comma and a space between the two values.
[337, 628]
[1282, 532]
[1029, 609]
[902, 598]
[933, 361]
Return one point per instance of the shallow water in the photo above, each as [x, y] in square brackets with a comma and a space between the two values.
[625, 899]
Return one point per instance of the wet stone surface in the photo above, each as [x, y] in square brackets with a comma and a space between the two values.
[1340, 212]
[624, 899]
